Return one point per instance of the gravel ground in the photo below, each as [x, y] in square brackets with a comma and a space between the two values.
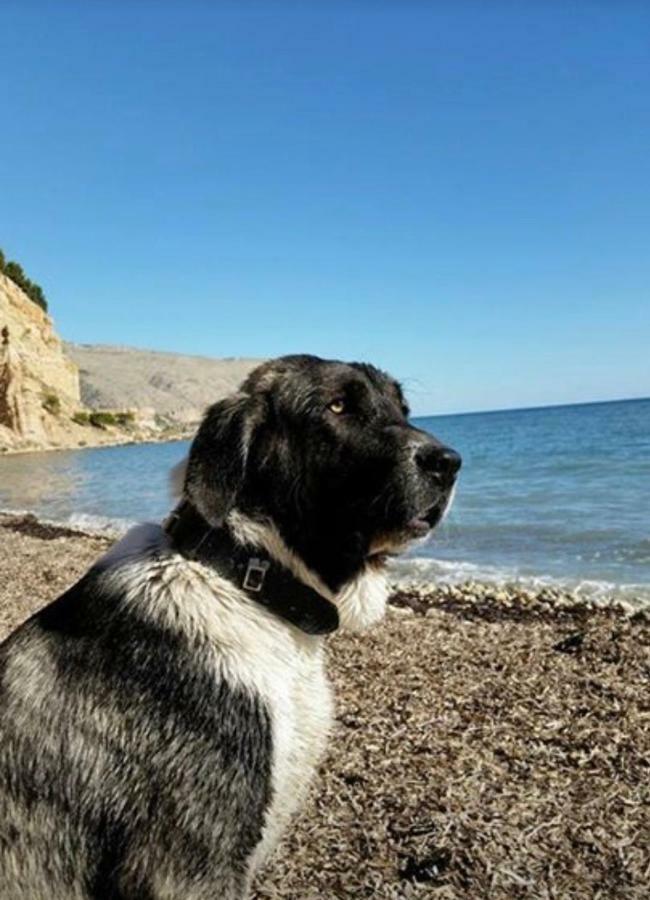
[488, 744]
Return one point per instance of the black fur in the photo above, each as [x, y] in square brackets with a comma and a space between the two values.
[330, 483]
[136, 758]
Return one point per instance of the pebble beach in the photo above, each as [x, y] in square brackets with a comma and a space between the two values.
[490, 742]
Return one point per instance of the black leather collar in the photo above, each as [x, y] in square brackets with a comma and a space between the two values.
[262, 578]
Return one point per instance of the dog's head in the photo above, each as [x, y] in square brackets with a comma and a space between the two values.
[324, 451]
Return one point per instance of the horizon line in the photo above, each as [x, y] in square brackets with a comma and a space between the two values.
[467, 412]
[502, 409]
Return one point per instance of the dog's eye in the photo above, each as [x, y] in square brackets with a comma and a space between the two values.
[337, 406]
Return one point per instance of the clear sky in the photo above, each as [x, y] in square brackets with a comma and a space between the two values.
[458, 191]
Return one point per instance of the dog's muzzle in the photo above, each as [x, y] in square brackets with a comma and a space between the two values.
[437, 467]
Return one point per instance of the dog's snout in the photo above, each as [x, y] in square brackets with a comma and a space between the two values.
[438, 460]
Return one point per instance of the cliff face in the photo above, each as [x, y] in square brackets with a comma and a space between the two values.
[45, 383]
[39, 384]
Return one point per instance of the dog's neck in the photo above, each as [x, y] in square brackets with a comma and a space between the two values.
[360, 602]
[236, 550]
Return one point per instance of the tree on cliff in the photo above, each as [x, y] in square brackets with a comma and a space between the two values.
[15, 271]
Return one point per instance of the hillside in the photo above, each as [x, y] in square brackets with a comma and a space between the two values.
[61, 395]
[175, 386]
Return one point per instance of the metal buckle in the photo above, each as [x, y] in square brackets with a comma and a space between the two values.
[255, 574]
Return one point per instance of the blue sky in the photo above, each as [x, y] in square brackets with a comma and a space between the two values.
[458, 192]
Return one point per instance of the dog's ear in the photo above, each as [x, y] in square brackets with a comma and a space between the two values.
[216, 466]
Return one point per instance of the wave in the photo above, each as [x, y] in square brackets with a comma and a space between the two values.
[84, 523]
[103, 525]
[419, 568]
[410, 569]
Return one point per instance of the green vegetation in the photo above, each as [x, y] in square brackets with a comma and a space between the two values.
[15, 271]
[52, 404]
[125, 418]
[100, 418]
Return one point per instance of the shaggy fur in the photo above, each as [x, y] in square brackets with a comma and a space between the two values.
[159, 725]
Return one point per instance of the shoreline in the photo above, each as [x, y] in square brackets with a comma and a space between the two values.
[419, 597]
[114, 439]
[487, 743]
[408, 575]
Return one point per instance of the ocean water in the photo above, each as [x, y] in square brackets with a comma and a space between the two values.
[558, 495]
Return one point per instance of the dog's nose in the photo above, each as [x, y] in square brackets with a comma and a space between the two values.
[438, 460]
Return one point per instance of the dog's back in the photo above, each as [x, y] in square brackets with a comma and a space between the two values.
[135, 759]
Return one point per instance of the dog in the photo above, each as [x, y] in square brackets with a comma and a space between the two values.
[161, 720]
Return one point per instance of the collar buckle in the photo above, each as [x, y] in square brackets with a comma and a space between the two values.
[255, 574]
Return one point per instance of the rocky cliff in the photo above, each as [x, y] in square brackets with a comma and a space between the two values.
[39, 384]
[75, 395]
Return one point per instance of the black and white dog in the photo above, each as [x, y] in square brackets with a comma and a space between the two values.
[161, 720]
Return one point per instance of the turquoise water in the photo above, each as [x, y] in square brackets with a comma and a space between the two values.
[555, 494]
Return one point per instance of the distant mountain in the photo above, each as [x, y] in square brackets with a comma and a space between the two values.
[172, 385]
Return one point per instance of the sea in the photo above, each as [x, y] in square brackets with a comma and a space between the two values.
[556, 496]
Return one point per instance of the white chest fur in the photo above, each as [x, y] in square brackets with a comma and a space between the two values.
[301, 707]
[249, 647]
